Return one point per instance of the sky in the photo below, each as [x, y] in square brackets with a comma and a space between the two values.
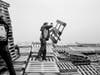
[82, 18]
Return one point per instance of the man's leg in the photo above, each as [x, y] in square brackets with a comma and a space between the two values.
[7, 58]
[44, 53]
[39, 53]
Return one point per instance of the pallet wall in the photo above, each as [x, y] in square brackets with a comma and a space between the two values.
[5, 13]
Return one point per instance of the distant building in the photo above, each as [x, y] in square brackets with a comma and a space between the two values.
[5, 13]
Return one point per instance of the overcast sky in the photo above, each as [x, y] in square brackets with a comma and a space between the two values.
[82, 18]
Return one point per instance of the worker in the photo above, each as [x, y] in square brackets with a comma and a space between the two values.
[45, 34]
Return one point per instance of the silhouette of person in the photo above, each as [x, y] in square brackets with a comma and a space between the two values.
[4, 52]
[45, 34]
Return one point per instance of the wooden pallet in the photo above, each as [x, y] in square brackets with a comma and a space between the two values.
[41, 73]
[41, 66]
[66, 67]
[87, 70]
[25, 51]
[48, 59]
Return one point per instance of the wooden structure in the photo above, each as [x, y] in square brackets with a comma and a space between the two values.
[5, 13]
[57, 31]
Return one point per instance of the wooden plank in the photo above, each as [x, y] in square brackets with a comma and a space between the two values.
[36, 66]
[87, 70]
[66, 67]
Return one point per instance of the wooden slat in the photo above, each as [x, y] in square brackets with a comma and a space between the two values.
[41, 67]
[48, 59]
[65, 67]
[87, 70]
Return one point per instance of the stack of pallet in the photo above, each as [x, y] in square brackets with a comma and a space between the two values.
[87, 70]
[5, 13]
[77, 65]
[21, 63]
[37, 66]
[65, 66]
[36, 48]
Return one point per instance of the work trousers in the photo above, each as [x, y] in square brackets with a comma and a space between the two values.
[42, 51]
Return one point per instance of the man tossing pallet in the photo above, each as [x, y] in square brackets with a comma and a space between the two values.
[48, 31]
